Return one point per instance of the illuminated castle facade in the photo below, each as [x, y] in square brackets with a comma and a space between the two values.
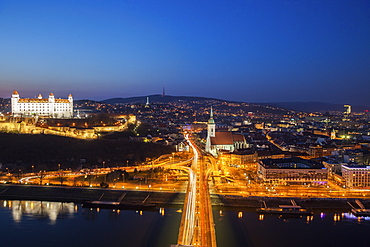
[52, 107]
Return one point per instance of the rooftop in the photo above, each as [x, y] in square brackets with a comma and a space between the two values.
[356, 166]
[291, 163]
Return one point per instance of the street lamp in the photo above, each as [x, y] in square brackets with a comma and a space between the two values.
[59, 167]
[20, 175]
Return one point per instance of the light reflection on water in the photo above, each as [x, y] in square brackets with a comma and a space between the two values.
[40, 209]
[68, 224]
[49, 221]
[248, 228]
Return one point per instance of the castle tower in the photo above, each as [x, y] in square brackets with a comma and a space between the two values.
[51, 97]
[211, 131]
[14, 102]
[51, 104]
[70, 99]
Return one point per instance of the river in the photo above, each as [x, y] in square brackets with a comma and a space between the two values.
[34, 223]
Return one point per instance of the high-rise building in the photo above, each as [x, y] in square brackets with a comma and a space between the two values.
[52, 107]
[347, 109]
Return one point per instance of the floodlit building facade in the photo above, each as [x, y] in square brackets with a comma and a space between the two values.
[356, 176]
[292, 171]
[52, 107]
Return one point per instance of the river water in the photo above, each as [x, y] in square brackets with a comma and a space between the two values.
[34, 223]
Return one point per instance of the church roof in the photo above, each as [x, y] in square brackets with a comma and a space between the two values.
[238, 138]
[222, 138]
[226, 138]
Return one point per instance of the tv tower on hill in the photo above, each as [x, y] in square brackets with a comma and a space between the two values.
[163, 92]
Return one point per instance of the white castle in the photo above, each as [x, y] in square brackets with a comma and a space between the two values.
[52, 107]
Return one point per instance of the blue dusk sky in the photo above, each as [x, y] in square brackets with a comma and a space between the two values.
[244, 50]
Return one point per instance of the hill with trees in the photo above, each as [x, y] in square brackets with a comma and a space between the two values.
[45, 152]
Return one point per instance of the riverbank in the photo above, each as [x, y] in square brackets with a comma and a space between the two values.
[161, 199]
[309, 203]
[82, 194]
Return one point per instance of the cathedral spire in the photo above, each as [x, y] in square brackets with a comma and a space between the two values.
[211, 121]
[211, 131]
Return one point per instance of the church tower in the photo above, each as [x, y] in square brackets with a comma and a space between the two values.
[211, 131]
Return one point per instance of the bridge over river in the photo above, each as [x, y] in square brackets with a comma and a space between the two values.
[197, 226]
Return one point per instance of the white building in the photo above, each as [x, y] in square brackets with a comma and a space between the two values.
[356, 176]
[52, 107]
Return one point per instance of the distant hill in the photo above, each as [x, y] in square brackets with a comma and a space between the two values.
[196, 102]
[263, 107]
[315, 106]
[155, 98]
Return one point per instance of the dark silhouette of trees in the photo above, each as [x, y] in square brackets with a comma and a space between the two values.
[44, 151]
[61, 178]
[41, 176]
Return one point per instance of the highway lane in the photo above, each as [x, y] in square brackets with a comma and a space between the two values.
[197, 225]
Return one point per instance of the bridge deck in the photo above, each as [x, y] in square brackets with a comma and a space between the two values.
[197, 225]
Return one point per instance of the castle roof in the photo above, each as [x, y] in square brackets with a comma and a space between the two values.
[15, 92]
[61, 101]
[40, 100]
[30, 100]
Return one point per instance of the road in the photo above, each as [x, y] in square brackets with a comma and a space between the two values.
[197, 226]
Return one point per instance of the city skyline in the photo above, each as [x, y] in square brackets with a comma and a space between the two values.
[250, 51]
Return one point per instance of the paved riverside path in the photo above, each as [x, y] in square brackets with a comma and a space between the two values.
[197, 226]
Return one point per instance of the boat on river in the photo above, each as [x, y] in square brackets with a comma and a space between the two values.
[293, 209]
[119, 204]
[360, 212]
